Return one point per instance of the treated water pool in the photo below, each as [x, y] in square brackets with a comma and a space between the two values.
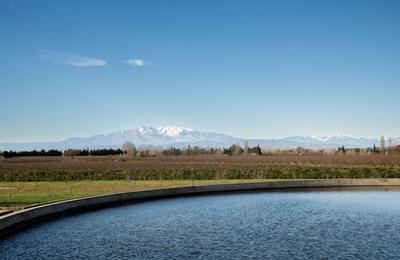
[275, 225]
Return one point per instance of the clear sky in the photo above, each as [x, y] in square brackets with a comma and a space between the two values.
[254, 69]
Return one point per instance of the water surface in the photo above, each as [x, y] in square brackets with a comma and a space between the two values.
[275, 225]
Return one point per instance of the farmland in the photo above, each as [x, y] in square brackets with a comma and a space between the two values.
[31, 180]
[198, 167]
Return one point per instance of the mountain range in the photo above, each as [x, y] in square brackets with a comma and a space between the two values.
[181, 137]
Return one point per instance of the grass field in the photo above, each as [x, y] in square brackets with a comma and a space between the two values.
[19, 194]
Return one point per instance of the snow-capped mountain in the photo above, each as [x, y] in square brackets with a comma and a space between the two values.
[141, 136]
[333, 141]
[181, 136]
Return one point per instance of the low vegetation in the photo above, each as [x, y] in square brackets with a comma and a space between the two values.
[215, 167]
[20, 194]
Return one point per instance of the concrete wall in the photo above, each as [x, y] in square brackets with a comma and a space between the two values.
[24, 218]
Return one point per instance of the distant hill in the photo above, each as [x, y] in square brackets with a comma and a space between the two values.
[181, 136]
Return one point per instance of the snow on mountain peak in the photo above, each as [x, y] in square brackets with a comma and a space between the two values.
[326, 138]
[144, 129]
[173, 131]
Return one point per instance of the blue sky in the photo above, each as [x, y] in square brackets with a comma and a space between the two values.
[254, 69]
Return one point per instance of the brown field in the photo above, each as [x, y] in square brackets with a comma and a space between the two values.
[211, 162]
[198, 167]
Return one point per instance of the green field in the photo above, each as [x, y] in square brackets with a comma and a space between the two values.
[20, 194]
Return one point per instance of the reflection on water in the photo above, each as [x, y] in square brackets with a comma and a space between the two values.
[276, 225]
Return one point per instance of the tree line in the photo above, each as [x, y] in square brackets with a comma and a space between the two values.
[370, 150]
[11, 154]
[68, 152]
[235, 149]
[130, 149]
[96, 152]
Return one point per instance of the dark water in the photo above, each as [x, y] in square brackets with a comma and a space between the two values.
[276, 225]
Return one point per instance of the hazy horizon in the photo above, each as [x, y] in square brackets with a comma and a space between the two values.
[200, 130]
[259, 69]
[180, 137]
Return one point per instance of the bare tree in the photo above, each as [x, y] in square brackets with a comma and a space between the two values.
[246, 148]
[234, 149]
[382, 144]
[72, 152]
[129, 149]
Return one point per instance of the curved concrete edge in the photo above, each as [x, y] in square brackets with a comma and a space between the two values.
[24, 218]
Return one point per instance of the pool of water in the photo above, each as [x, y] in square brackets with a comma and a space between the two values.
[275, 225]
